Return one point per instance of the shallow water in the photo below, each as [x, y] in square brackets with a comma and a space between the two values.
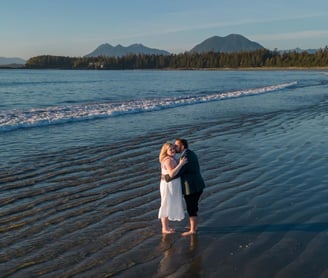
[80, 199]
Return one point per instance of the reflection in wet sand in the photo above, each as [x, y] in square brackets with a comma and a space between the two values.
[180, 257]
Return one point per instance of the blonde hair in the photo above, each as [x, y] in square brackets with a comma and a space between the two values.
[163, 152]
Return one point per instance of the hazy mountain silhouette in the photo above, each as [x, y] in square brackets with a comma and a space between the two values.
[119, 50]
[11, 61]
[228, 44]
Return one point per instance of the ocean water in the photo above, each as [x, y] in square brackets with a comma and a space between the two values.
[79, 179]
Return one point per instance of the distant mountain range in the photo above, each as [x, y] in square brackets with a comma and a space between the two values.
[11, 61]
[299, 50]
[228, 44]
[119, 50]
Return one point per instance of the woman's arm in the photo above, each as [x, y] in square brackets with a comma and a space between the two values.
[171, 166]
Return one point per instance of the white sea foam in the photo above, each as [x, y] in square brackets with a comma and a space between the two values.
[15, 119]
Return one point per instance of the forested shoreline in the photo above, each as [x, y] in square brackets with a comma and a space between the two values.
[211, 60]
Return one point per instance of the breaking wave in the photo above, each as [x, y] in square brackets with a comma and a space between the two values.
[16, 119]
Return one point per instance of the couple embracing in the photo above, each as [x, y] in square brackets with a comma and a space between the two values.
[179, 178]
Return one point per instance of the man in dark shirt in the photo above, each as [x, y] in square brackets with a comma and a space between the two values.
[192, 183]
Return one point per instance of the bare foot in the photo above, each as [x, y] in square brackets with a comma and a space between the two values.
[188, 233]
[169, 231]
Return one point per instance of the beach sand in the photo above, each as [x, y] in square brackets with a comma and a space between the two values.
[92, 212]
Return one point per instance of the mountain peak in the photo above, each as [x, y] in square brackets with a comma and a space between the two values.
[228, 44]
[119, 50]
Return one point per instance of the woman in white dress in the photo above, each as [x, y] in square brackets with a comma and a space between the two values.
[171, 194]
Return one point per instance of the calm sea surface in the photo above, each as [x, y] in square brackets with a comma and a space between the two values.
[79, 173]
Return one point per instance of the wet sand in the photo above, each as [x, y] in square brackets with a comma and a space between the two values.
[92, 212]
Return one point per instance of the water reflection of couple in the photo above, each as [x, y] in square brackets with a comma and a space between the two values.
[179, 178]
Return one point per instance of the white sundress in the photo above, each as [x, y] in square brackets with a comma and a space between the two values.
[171, 199]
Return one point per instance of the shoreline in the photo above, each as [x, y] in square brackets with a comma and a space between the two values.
[253, 69]
[186, 69]
[81, 198]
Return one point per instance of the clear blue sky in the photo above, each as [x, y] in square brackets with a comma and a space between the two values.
[76, 27]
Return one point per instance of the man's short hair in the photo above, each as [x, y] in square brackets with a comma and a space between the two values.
[183, 142]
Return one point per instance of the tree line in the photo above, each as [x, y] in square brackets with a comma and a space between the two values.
[187, 60]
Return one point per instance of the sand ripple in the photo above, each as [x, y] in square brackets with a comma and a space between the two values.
[92, 212]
